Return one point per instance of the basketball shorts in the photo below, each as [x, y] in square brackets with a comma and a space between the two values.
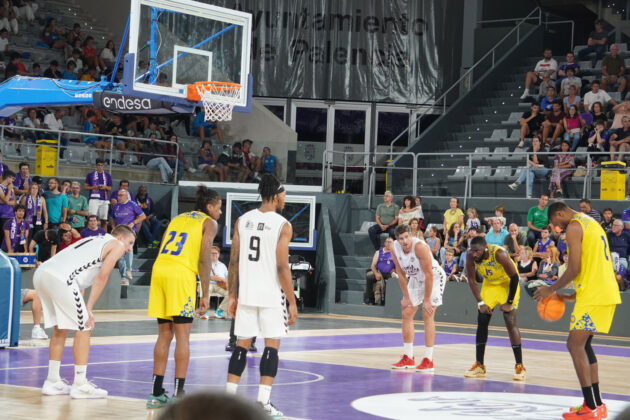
[173, 292]
[264, 322]
[494, 294]
[62, 303]
[416, 288]
[100, 208]
[595, 318]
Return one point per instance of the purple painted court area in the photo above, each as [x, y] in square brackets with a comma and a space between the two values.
[302, 389]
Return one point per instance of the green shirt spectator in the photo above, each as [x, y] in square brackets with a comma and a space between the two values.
[77, 207]
[386, 220]
[537, 219]
[386, 213]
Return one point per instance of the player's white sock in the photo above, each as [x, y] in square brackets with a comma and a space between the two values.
[428, 353]
[264, 393]
[53, 370]
[79, 374]
[231, 388]
[408, 349]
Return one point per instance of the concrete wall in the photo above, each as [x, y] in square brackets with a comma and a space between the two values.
[114, 19]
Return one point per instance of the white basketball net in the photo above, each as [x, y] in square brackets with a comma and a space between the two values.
[218, 100]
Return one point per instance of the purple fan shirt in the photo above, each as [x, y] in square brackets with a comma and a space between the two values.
[123, 214]
[6, 211]
[93, 179]
[17, 235]
[87, 232]
[20, 183]
[33, 215]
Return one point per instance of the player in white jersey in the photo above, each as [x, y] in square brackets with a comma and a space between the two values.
[59, 283]
[422, 283]
[260, 285]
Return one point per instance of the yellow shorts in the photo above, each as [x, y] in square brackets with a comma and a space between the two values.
[493, 295]
[595, 318]
[173, 292]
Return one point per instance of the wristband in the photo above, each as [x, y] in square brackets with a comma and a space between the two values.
[480, 304]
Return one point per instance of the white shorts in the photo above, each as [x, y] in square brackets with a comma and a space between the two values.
[62, 303]
[416, 288]
[256, 321]
[203, 165]
[100, 208]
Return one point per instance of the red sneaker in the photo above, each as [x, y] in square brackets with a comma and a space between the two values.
[582, 412]
[405, 363]
[601, 409]
[426, 366]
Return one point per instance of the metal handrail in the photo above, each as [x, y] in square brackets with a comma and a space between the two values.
[467, 73]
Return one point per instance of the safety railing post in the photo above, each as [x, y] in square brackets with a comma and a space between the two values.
[527, 177]
[414, 179]
[58, 152]
[345, 170]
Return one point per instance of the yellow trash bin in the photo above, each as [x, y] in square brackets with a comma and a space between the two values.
[46, 157]
[613, 181]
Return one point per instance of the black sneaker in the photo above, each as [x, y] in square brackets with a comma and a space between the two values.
[230, 347]
[252, 347]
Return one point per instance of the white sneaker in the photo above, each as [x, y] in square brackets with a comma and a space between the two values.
[521, 144]
[129, 275]
[192, 170]
[87, 390]
[525, 94]
[61, 387]
[38, 333]
[271, 410]
[513, 186]
[124, 282]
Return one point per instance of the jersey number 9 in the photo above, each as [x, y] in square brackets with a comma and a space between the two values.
[254, 247]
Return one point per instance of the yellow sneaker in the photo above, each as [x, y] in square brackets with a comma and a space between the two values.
[519, 373]
[476, 371]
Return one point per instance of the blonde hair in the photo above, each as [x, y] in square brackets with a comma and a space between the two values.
[473, 211]
[528, 251]
[554, 254]
[449, 252]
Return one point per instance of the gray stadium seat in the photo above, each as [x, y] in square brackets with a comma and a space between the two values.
[503, 173]
[460, 173]
[513, 119]
[499, 153]
[481, 153]
[482, 172]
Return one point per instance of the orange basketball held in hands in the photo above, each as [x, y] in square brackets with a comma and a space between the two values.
[551, 308]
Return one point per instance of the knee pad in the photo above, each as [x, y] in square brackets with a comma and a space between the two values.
[238, 361]
[269, 362]
[592, 359]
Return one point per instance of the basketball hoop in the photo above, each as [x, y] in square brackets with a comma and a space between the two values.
[218, 98]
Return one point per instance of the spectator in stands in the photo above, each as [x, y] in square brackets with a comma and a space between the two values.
[386, 220]
[563, 70]
[4, 43]
[27, 10]
[11, 68]
[218, 283]
[108, 55]
[543, 87]
[450, 267]
[563, 167]
[153, 129]
[126, 212]
[15, 231]
[122, 185]
[101, 144]
[625, 218]
[236, 164]
[408, 211]
[151, 151]
[3, 166]
[499, 212]
[548, 267]
[22, 181]
[620, 110]
[613, 70]
[553, 123]
[537, 219]
[204, 129]
[535, 167]
[497, 234]
[92, 228]
[53, 121]
[527, 267]
[381, 269]
[608, 219]
[99, 185]
[530, 122]
[572, 99]
[514, 241]
[11, 134]
[269, 162]
[76, 59]
[414, 225]
[151, 224]
[8, 17]
[597, 95]
[621, 275]
[77, 207]
[56, 203]
[65, 187]
[36, 70]
[36, 214]
[545, 241]
[68, 236]
[596, 43]
[454, 240]
[598, 140]
[619, 140]
[7, 197]
[573, 126]
[52, 72]
[619, 241]
[53, 34]
[89, 53]
[46, 242]
[546, 66]
[116, 128]
[453, 215]
[433, 240]
[71, 71]
[175, 157]
[75, 34]
[546, 104]
[253, 162]
[206, 161]
[567, 82]
[472, 219]
[31, 121]
[586, 208]
[89, 75]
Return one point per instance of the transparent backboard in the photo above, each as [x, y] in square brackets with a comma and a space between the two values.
[176, 43]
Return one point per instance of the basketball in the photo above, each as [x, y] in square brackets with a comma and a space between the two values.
[551, 309]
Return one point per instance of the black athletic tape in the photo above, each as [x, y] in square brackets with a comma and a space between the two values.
[269, 362]
[513, 288]
[238, 361]
[592, 359]
[483, 321]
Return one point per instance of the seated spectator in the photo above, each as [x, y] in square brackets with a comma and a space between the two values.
[218, 283]
[22, 181]
[76, 59]
[545, 241]
[117, 128]
[71, 71]
[36, 214]
[92, 228]
[596, 43]
[153, 129]
[408, 211]
[452, 215]
[253, 162]
[472, 233]
[586, 208]
[151, 224]
[151, 151]
[573, 126]
[514, 241]
[499, 211]
[564, 259]
[52, 72]
[598, 140]
[269, 162]
[31, 121]
[621, 272]
[175, 157]
[531, 123]
[8, 16]
[619, 140]
[564, 67]
[53, 121]
[546, 104]
[546, 66]
[619, 242]
[535, 167]
[597, 115]
[236, 164]
[450, 267]
[89, 75]
[613, 70]
[122, 185]
[89, 53]
[433, 240]
[15, 232]
[625, 218]
[108, 55]
[381, 269]
[537, 219]
[570, 80]
[206, 161]
[53, 34]
[77, 207]
[101, 144]
[37, 70]
[27, 10]
[597, 95]
[46, 243]
[11, 68]
[7, 197]
[548, 267]
[454, 240]
[386, 220]
[11, 134]
[126, 212]
[56, 203]
[497, 234]
[4, 43]
[571, 99]
[561, 244]
[608, 219]
[527, 267]
[30, 295]
[553, 123]
[563, 167]
[472, 220]
[544, 87]
[415, 230]
[204, 129]
[75, 34]
[68, 236]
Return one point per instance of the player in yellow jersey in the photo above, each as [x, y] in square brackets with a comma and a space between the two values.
[183, 254]
[597, 294]
[499, 288]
